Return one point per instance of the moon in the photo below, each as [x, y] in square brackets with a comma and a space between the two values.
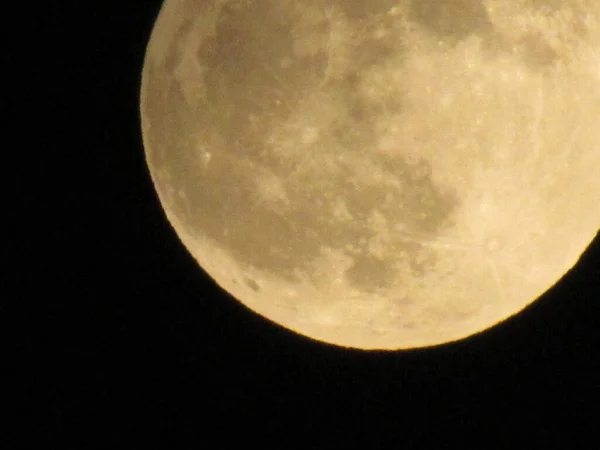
[378, 174]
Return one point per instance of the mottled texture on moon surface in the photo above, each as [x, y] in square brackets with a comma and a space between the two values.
[378, 174]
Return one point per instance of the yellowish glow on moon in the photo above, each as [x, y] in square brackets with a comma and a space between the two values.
[378, 174]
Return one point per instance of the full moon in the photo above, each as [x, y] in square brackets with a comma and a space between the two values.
[378, 174]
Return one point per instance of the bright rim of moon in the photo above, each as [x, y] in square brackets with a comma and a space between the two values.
[378, 174]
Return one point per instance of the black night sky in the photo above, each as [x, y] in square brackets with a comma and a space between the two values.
[114, 336]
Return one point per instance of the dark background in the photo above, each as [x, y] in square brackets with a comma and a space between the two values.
[113, 336]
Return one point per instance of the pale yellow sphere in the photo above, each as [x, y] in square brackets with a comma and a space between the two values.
[378, 174]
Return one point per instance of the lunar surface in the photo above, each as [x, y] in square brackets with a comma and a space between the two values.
[378, 174]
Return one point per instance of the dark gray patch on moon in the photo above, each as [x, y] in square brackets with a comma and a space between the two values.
[246, 77]
[359, 9]
[536, 52]
[370, 274]
[452, 19]
[252, 284]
